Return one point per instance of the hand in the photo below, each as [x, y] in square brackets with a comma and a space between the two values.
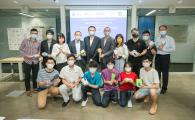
[102, 56]
[131, 81]
[110, 82]
[99, 50]
[36, 55]
[71, 85]
[114, 81]
[56, 82]
[29, 56]
[143, 86]
[161, 47]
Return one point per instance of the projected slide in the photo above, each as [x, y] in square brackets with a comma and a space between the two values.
[82, 19]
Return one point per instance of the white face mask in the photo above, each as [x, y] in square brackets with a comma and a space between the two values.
[128, 69]
[77, 37]
[163, 33]
[50, 66]
[110, 67]
[146, 65]
[91, 33]
[92, 70]
[34, 36]
[70, 62]
[49, 37]
[146, 37]
[107, 33]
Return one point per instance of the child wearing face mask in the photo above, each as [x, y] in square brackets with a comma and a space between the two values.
[127, 85]
[91, 82]
[71, 77]
[48, 79]
[110, 77]
[150, 89]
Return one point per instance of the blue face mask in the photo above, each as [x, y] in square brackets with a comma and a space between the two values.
[34, 36]
[163, 33]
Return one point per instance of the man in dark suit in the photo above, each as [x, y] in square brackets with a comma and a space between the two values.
[106, 48]
[77, 47]
[92, 43]
[47, 46]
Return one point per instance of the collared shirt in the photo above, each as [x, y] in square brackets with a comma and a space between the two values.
[30, 48]
[61, 57]
[91, 40]
[107, 76]
[71, 74]
[44, 75]
[78, 48]
[169, 45]
[94, 80]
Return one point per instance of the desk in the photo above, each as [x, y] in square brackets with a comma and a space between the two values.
[11, 60]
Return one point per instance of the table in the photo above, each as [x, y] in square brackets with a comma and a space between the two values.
[12, 60]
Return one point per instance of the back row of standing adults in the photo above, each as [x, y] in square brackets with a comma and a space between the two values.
[100, 50]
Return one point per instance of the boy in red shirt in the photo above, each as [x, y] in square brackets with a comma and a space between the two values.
[127, 85]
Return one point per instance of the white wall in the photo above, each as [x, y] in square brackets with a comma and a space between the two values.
[184, 51]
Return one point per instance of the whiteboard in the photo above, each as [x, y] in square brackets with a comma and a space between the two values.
[17, 35]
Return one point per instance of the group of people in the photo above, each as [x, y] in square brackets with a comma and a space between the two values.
[110, 69]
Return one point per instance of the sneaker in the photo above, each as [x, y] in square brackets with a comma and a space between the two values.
[83, 104]
[65, 103]
[129, 105]
[163, 91]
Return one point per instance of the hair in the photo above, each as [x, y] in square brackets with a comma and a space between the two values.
[49, 31]
[146, 32]
[111, 61]
[49, 58]
[77, 31]
[146, 57]
[33, 29]
[93, 64]
[119, 35]
[71, 55]
[134, 29]
[128, 63]
[91, 27]
[60, 35]
[163, 26]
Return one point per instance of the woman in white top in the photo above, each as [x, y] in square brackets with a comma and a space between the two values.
[60, 51]
[120, 52]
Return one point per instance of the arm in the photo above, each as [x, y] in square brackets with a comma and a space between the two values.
[171, 47]
[111, 48]
[22, 50]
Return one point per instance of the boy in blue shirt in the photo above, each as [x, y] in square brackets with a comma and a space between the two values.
[91, 83]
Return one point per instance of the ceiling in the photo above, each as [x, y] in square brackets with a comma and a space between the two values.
[57, 3]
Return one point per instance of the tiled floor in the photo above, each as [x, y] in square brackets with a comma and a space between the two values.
[177, 104]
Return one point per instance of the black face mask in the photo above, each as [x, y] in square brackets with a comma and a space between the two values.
[135, 35]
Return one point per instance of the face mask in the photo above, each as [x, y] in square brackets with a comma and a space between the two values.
[70, 62]
[163, 33]
[146, 37]
[34, 36]
[106, 33]
[92, 70]
[128, 69]
[91, 33]
[50, 66]
[119, 40]
[49, 37]
[77, 37]
[110, 67]
[146, 65]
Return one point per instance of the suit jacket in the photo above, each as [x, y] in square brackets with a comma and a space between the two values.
[72, 47]
[108, 48]
[91, 51]
[45, 47]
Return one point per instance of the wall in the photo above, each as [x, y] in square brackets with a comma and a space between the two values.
[25, 22]
[184, 51]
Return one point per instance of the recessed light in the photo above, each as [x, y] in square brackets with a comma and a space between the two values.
[16, 2]
[179, 1]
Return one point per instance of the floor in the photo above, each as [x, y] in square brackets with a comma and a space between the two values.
[177, 104]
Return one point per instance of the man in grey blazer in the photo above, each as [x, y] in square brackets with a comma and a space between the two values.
[106, 48]
[77, 47]
[92, 43]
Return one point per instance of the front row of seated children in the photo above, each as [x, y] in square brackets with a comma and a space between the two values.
[117, 87]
